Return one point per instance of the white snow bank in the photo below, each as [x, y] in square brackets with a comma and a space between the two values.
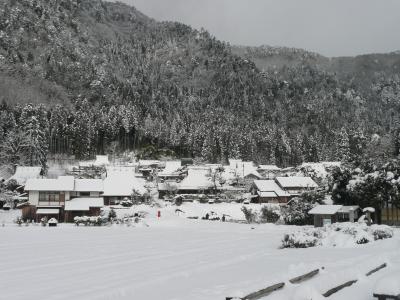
[389, 284]
[337, 235]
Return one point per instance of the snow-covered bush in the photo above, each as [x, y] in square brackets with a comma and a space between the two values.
[296, 212]
[269, 214]
[112, 215]
[43, 221]
[336, 235]
[126, 203]
[304, 239]
[89, 221]
[381, 232]
[249, 214]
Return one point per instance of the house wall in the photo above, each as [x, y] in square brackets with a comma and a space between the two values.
[33, 197]
[318, 219]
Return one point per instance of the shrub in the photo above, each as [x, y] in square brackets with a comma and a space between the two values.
[336, 235]
[249, 214]
[300, 240]
[296, 212]
[89, 221]
[178, 201]
[126, 203]
[112, 215]
[381, 232]
[12, 184]
[269, 215]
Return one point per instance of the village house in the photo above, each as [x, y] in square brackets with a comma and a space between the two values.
[171, 171]
[198, 181]
[59, 198]
[268, 191]
[296, 185]
[329, 214]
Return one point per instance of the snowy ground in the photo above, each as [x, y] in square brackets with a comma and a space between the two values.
[178, 259]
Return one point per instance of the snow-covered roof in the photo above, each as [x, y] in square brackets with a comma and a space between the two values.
[198, 178]
[254, 173]
[268, 168]
[62, 183]
[165, 186]
[369, 209]
[171, 167]
[347, 209]
[123, 184]
[83, 204]
[267, 194]
[47, 211]
[100, 161]
[270, 186]
[147, 163]
[88, 185]
[325, 210]
[22, 174]
[296, 182]
[119, 169]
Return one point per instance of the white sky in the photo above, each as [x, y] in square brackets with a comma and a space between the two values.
[330, 27]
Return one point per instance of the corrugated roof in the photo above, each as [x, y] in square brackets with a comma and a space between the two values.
[83, 204]
[296, 182]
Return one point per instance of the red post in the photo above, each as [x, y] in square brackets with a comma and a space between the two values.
[159, 214]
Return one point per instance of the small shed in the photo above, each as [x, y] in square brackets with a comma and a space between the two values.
[325, 214]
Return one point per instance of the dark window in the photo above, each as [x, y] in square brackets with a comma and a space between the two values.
[49, 197]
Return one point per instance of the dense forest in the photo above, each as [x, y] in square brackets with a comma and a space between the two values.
[81, 77]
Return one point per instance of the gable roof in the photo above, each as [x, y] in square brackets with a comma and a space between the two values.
[270, 186]
[62, 183]
[325, 210]
[296, 182]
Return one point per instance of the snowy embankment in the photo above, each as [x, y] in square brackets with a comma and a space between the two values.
[177, 258]
[337, 235]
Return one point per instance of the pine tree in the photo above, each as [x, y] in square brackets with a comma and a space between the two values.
[343, 146]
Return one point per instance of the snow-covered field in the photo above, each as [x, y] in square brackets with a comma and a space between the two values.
[176, 258]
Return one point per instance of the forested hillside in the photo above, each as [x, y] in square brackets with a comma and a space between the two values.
[85, 76]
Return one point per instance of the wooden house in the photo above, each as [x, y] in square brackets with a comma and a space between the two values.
[328, 214]
[268, 191]
[296, 185]
[52, 198]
